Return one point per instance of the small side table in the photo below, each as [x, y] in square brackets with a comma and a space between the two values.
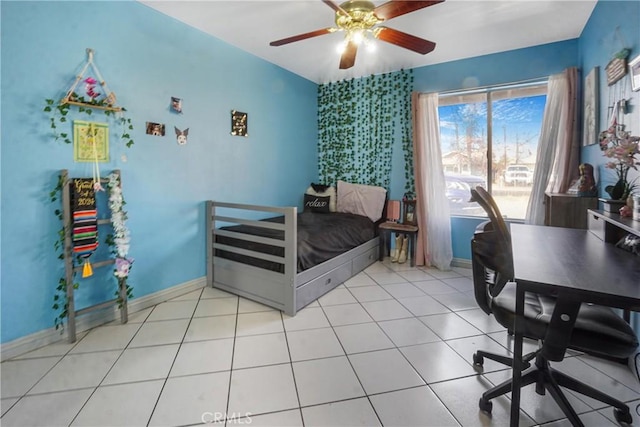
[386, 228]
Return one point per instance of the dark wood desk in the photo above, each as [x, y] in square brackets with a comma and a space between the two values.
[575, 266]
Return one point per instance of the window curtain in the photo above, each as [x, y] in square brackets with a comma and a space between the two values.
[432, 207]
[558, 148]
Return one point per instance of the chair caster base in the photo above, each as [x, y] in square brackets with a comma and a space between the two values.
[622, 416]
[485, 405]
[478, 359]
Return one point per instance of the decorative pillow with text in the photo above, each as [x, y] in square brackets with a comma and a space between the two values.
[318, 204]
[326, 191]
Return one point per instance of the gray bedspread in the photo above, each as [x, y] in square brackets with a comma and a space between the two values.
[321, 236]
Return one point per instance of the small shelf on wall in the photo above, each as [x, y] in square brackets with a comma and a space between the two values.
[96, 97]
[107, 103]
[87, 105]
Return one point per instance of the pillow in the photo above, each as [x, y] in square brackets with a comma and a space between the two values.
[320, 188]
[330, 192]
[359, 199]
[318, 204]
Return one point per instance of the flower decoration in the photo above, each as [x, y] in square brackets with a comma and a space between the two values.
[120, 231]
[122, 267]
[90, 86]
[621, 147]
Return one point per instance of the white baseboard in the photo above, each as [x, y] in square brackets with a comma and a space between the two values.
[96, 318]
[461, 262]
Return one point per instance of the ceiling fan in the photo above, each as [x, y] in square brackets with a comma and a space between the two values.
[360, 20]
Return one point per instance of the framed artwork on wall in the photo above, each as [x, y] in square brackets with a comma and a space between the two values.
[239, 123]
[590, 110]
[90, 141]
[634, 73]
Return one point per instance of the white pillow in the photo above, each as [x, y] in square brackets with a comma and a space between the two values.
[331, 192]
[359, 199]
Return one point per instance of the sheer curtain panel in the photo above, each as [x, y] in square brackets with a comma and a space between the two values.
[432, 207]
[558, 149]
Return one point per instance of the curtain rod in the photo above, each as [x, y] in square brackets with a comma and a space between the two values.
[480, 89]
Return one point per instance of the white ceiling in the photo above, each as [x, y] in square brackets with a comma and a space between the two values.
[460, 28]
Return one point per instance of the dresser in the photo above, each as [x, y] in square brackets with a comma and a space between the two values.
[567, 210]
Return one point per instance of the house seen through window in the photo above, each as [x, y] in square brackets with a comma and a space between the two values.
[497, 124]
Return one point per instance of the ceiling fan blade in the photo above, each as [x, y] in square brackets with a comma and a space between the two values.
[302, 36]
[405, 40]
[392, 8]
[348, 58]
[335, 7]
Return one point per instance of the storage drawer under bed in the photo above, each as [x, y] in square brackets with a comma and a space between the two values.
[364, 260]
[317, 287]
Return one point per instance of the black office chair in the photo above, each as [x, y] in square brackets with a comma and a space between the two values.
[598, 330]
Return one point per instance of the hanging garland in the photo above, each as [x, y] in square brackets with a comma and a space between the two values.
[58, 117]
[120, 239]
[406, 126]
[60, 302]
[357, 123]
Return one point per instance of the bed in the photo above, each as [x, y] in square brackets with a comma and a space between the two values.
[287, 259]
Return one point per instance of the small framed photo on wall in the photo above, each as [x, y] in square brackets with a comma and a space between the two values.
[239, 123]
[155, 129]
[176, 105]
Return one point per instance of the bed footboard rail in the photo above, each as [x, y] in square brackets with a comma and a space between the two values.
[274, 288]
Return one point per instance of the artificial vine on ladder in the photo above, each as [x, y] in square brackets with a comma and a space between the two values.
[60, 303]
[120, 239]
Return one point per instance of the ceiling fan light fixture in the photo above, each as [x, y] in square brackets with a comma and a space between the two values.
[360, 20]
[370, 45]
[357, 36]
[359, 14]
[342, 46]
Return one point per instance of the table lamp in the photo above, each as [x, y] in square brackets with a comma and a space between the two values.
[393, 210]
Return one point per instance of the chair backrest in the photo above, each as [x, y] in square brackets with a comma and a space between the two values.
[492, 259]
[486, 201]
[482, 250]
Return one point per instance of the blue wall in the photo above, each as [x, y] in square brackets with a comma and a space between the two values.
[613, 25]
[145, 58]
[498, 68]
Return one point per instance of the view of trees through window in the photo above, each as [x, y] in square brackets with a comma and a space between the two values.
[501, 124]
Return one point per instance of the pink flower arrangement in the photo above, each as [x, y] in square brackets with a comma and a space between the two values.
[621, 147]
[90, 85]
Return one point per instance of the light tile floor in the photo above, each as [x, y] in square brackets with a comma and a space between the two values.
[392, 346]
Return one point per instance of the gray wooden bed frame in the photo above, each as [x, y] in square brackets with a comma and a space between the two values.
[289, 291]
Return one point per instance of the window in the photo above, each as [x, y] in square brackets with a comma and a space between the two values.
[502, 124]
